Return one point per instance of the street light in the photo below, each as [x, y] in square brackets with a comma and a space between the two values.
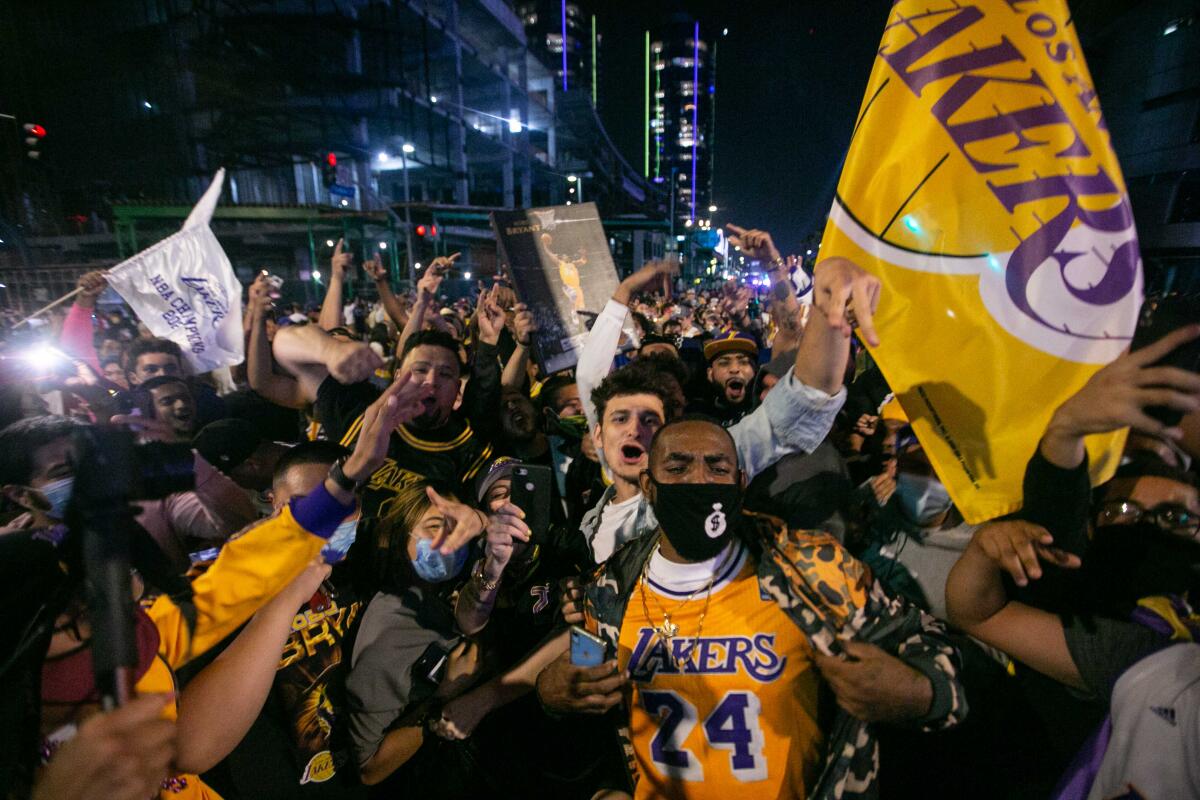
[712, 209]
[316, 274]
[406, 150]
[572, 178]
[383, 245]
[329, 242]
[384, 157]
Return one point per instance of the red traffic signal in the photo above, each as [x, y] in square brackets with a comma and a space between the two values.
[34, 134]
[421, 230]
[331, 159]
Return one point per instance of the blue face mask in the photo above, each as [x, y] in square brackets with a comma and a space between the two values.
[433, 567]
[58, 494]
[340, 541]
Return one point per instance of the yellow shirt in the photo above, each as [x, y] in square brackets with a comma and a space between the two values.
[250, 570]
[737, 716]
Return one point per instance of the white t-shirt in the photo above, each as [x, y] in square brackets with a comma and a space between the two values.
[673, 578]
[1154, 750]
[612, 519]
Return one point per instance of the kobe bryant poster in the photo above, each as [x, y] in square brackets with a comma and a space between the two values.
[562, 270]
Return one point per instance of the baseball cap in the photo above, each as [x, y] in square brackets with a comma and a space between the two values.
[730, 342]
[226, 443]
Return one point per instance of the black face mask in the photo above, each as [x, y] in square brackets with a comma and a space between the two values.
[698, 518]
[1127, 562]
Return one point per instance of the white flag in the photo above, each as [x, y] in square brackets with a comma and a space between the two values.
[183, 288]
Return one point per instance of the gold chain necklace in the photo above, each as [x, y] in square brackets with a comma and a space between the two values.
[667, 631]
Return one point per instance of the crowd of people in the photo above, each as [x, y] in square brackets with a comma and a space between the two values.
[711, 560]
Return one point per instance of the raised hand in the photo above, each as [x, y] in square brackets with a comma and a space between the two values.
[342, 260]
[651, 274]
[491, 317]
[427, 286]
[463, 523]
[847, 295]
[1116, 396]
[376, 269]
[401, 402]
[754, 243]
[524, 324]
[505, 527]
[352, 362]
[1019, 547]
[91, 285]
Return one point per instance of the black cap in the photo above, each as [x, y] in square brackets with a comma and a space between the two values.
[226, 443]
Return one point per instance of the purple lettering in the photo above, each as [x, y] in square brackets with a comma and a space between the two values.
[1044, 243]
[1041, 25]
[963, 17]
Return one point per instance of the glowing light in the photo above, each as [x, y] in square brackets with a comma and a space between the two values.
[345, 202]
[572, 178]
[712, 209]
[687, 223]
[911, 223]
[384, 157]
[316, 274]
[808, 252]
[433, 98]
[43, 354]
[408, 149]
[467, 275]
[950, 313]
[146, 104]
[680, 237]
[514, 126]
[329, 242]
[383, 245]
[417, 265]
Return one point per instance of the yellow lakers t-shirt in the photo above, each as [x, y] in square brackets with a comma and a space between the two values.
[734, 714]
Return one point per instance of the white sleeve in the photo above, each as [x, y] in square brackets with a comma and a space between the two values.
[794, 418]
[598, 352]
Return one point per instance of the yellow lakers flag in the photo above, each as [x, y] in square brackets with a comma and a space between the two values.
[981, 188]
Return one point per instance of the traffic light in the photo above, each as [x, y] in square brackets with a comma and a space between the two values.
[427, 231]
[329, 169]
[34, 134]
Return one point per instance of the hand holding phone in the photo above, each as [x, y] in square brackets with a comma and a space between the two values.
[587, 650]
[531, 492]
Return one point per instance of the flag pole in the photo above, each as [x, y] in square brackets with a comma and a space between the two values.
[49, 306]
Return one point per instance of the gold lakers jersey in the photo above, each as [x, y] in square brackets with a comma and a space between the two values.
[731, 713]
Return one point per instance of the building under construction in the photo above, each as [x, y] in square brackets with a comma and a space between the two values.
[387, 122]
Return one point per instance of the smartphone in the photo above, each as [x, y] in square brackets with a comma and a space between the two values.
[586, 650]
[1158, 317]
[531, 492]
[430, 667]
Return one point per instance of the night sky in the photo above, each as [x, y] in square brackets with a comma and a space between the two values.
[790, 78]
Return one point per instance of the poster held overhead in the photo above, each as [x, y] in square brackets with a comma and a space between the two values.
[562, 269]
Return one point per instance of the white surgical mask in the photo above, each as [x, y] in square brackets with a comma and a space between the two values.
[923, 499]
[339, 543]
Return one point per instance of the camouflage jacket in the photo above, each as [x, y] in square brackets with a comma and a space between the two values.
[830, 596]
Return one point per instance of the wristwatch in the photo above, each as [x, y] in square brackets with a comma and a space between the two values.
[338, 476]
[484, 583]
